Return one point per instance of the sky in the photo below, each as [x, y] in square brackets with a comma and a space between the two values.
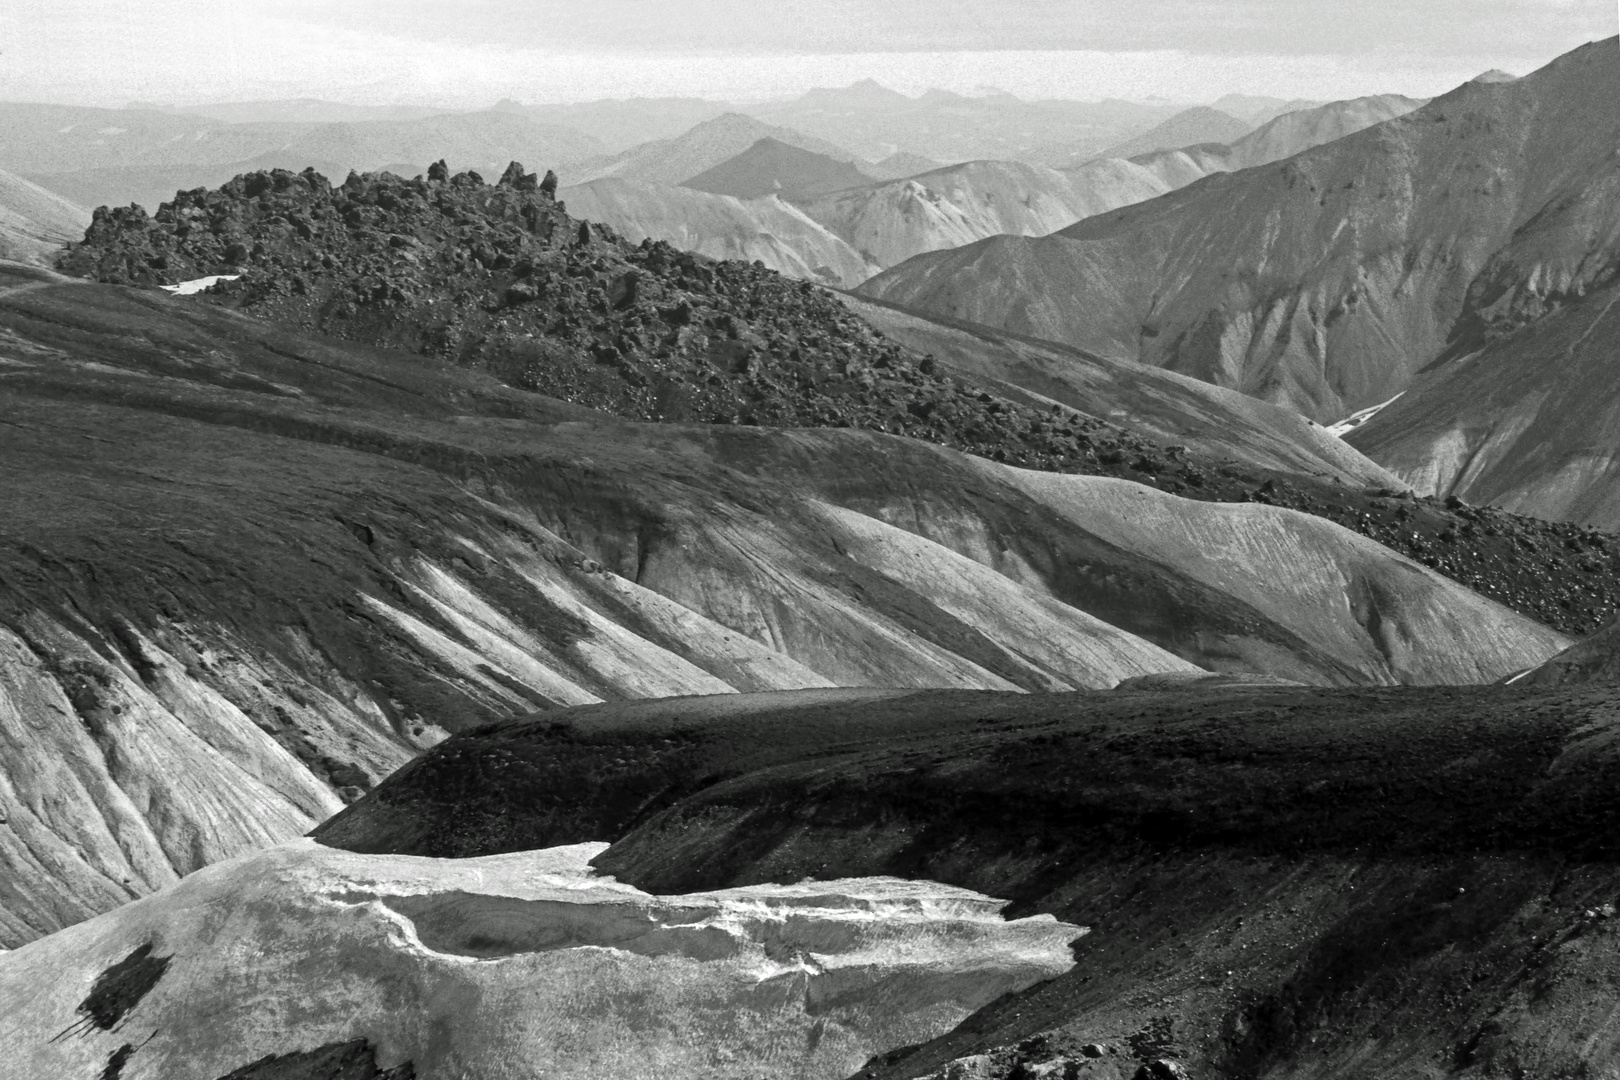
[470, 53]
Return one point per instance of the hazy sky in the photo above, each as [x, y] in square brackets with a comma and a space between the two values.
[471, 52]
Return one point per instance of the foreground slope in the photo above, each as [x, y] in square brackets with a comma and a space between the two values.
[1324, 282]
[372, 962]
[248, 573]
[768, 230]
[1278, 882]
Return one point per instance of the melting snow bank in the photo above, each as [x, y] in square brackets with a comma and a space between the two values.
[1356, 419]
[197, 285]
[520, 965]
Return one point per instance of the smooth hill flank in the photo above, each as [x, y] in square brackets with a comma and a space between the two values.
[245, 573]
[35, 223]
[1212, 422]
[1327, 281]
[1528, 422]
[500, 278]
[772, 167]
[1276, 879]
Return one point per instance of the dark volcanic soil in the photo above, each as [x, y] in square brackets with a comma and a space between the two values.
[500, 277]
[1278, 881]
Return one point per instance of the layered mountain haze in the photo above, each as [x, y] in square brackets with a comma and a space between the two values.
[115, 157]
[680, 158]
[935, 208]
[876, 122]
[768, 230]
[1324, 282]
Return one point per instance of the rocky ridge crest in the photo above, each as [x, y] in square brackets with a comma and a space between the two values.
[500, 277]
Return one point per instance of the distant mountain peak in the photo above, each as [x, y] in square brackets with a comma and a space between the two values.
[773, 167]
[1495, 75]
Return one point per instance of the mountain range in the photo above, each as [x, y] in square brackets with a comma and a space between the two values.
[115, 157]
[1326, 281]
[679, 159]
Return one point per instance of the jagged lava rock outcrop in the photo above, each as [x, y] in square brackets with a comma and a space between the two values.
[1326, 281]
[490, 967]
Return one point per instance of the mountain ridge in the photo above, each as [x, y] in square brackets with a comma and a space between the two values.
[1355, 258]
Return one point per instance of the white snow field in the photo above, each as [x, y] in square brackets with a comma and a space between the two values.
[518, 965]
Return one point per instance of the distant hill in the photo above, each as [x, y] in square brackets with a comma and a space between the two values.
[772, 167]
[35, 222]
[899, 165]
[1282, 137]
[1188, 128]
[1259, 109]
[768, 230]
[1329, 280]
[958, 204]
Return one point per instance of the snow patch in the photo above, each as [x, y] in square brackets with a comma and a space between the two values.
[1356, 419]
[486, 966]
[197, 285]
